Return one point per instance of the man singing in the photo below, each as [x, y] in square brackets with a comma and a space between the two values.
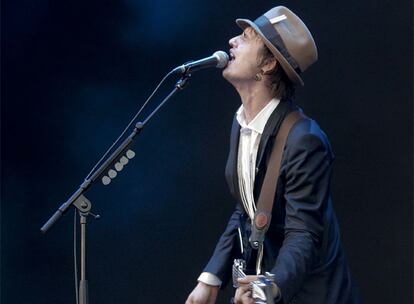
[302, 246]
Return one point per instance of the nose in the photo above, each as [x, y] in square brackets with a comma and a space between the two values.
[232, 41]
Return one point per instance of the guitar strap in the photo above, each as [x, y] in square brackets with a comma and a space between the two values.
[264, 208]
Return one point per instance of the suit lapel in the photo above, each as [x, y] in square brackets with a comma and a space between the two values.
[231, 166]
[272, 127]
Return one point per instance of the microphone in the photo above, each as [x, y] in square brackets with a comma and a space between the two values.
[219, 60]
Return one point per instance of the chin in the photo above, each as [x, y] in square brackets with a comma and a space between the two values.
[227, 74]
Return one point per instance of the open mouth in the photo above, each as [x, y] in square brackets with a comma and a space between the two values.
[232, 57]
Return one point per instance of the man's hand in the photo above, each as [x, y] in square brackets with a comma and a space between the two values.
[243, 293]
[203, 294]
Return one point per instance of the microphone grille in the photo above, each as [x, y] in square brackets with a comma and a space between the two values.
[222, 59]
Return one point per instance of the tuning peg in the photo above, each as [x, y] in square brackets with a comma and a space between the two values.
[270, 276]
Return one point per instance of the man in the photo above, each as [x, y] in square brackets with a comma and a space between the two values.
[302, 245]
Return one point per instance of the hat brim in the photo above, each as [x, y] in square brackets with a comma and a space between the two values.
[291, 73]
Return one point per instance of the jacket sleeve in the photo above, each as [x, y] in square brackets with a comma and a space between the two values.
[307, 186]
[220, 263]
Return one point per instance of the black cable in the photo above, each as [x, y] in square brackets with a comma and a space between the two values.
[129, 125]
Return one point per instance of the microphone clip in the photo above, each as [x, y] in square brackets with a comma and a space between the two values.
[183, 69]
[182, 82]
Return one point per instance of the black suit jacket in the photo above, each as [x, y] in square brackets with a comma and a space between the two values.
[302, 246]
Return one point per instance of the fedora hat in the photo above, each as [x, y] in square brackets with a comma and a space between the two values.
[288, 39]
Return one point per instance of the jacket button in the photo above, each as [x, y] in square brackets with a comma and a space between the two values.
[257, 170]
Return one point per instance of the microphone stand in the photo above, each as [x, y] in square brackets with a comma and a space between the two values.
[83, 205]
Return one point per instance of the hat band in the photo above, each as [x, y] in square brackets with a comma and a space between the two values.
[273, 36]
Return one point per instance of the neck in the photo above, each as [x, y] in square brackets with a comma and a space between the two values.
[254, 98]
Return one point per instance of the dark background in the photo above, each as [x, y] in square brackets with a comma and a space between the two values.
[73, 74]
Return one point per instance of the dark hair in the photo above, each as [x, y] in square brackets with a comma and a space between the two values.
[280, 84]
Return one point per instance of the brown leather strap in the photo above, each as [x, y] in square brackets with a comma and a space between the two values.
[263, 213]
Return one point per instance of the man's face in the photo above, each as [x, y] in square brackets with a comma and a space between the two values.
[244, 53]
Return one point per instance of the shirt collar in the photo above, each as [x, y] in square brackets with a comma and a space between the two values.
[259, 121]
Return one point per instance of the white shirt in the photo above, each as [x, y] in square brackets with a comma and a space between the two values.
[249, 140]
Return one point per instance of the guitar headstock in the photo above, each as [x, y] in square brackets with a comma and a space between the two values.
[261, 288]
[239, 268]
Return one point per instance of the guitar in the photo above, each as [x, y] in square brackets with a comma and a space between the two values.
[261, 288]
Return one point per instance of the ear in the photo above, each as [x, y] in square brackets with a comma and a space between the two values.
[269, 66]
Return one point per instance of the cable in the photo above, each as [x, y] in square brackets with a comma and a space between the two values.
[129, 125]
